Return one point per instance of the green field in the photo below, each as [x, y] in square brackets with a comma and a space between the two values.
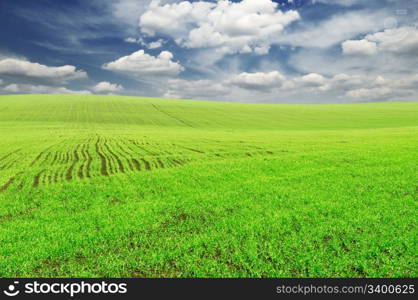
[109, 186]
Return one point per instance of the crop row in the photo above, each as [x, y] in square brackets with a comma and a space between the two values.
[100, 156]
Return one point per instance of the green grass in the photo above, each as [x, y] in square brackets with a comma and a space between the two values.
[94, 186]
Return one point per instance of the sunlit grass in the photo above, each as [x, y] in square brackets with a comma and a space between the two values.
[128, 187]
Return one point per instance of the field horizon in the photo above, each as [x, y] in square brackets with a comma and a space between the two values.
[118, 186]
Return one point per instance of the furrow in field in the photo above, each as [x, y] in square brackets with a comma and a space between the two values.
[129, 145]
[9, 154]
[37, 178]
[176, 162]
[48, 154]
[89, 160]
[80, 172]
[160, 164]
[9, 182]
[118, 161]
[103, 163]
[6, 164]
[69, 173]
[39, 156]
[36, 159]
[143, 148]
[136, 161]
[86, 162]
[67, 157]
[62, 158]
[146, 164]
[136, 164]
[44, 178]
[115, 156]
[9, 164]
[56, 176]
[109, 158]
[190, 149]
[55, 158]
[125, 155]
[84, 169]
[50, 178]
[172, 116]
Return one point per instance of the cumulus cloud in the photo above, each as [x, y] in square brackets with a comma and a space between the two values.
[38, 89]
[199, 89]
[342, 82]
[360, 47]
[334, 30]
[339, 83]
[312, 79]
[366, 88]
[19, 67]
[276, 87]
[104, 86]
[258, 81]
[141, 64]
[264, 82]
[402, 40]
[230, 27]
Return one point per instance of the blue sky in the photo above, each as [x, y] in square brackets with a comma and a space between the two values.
[300, 51]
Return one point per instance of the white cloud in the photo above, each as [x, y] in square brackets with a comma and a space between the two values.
[139, 63]
[151, 45]
[340, 83]
[19, 67]
[402, 40]
[38, 89]
[380, 80]
[312, 87]
[199, 89]
[258, 81]
[230, 27]
[128, 11]
[172, 19]
[360, 87]
[156, 44]
[330, 63]
[332, 31]
[311, 80]
[105, 86]
[360, 47]
[343, 81]
[379, 93]
[132, 40]
[314, 82]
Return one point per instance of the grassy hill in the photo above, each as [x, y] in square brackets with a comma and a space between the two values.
[139, 187]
